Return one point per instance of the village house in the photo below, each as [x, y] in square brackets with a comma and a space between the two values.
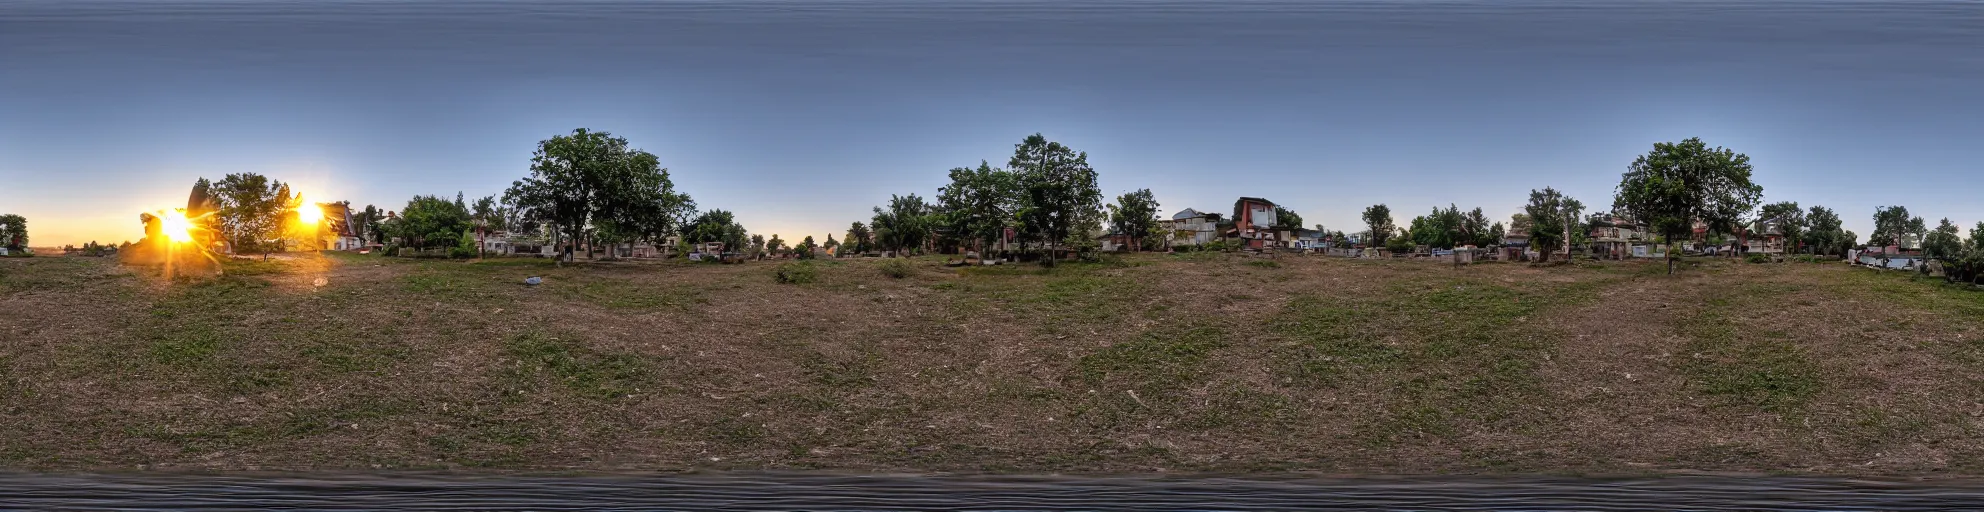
[1617, 237]
[1310, 239]
[1255, 222]
[344, 235]
[1765, 236]
[1514, 245]
[1115, 241]
[1190, 227]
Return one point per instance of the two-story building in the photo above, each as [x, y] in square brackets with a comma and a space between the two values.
[1617, 237]
[1253, 222]
[1190, 227]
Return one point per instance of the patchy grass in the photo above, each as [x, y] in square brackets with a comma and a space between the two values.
[795, 273]
[895, 268]
[1141, 362]
[1154, 362]
[538, 358]
[1762, 369]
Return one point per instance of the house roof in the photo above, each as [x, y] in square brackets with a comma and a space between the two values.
[1187, 213]
[1254, 200]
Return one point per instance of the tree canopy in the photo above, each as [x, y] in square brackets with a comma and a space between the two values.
[1550, 214]
[1943, 243]
[250, 211]
[858, 239]
[1893, 226]
[717, 225]
[904, 225]
[1286, 219]
[1058, 190]
[429, 222]
[1378, 218]
[1823, 232]
[1676, 184]
[1135, 214]
[978, 205]
[592, 181]
[13, 232]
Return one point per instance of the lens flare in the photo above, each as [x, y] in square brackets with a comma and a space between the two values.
[175, 227]
[308, 213]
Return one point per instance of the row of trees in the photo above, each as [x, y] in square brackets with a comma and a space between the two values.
[1046, 194]
[1669, 190]
[1962, 260]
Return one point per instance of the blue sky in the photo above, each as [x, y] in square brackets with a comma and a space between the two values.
[800, 116]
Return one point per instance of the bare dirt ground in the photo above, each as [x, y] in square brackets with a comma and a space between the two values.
[1142, 363]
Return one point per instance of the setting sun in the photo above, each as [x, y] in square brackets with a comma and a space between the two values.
[308, 213]
[175, 227]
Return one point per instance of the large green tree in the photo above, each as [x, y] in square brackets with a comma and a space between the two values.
[1058, 195]
[859, 239]
[1823, 232]
[13, 232]
[1286, 219]
[592, 180]
[429, 222]
[1676, 184]
[904, 225]
[1135, 214]
[978, 205]
[1943, 243]
[250, 211]
[1378, 218]
[720, 226]
[1893, 226]
[1552, 215]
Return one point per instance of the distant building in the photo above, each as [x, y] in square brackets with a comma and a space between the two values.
[1255, 224]
[1190, 227]
[1765, 236]
[1308, 239]
[344, 231]
[1619, 237]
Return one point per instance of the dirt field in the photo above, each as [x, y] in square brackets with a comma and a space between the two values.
[1148, 363]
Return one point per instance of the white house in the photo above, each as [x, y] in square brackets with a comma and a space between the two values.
[1190, 227]
[495, 243]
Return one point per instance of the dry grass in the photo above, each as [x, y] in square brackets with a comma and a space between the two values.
[1176, 363]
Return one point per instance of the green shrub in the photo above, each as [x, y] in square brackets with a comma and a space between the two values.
[390, 250]
[795, 273]
[465, 249]
[895, 268]
[1265, 263]
[1757, 258]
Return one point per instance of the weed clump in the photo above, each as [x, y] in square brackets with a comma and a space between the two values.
[795, 273]
[895, 268]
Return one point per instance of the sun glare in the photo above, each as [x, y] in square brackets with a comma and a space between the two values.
[175, 227]
[309, 213]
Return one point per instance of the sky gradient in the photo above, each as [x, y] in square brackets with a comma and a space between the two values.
[801, 116]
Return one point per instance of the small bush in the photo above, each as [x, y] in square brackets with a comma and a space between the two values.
[895, 268]
[390, 250]
[795, 273]
[1757, 258]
